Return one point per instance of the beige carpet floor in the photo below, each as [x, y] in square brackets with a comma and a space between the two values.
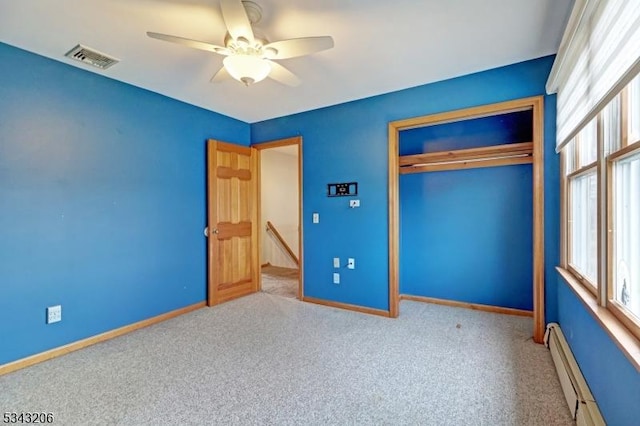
[280, 281]
[269, 360]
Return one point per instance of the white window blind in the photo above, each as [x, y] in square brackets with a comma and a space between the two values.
[598, 56]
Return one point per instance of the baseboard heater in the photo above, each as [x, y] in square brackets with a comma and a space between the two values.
[576, 391]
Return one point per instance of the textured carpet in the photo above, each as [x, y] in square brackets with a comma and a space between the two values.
[280, 281]
[271, 360]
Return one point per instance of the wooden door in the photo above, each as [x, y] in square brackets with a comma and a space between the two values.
[232, 221]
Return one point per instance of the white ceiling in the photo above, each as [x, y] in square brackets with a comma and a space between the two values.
[380, 45]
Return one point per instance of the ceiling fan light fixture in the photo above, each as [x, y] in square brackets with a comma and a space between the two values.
[243, 42]
[270, 52]
[250, 57]
[247, 69]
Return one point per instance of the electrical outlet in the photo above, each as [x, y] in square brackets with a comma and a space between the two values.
[336, 262]
[336, 278]
[54, 314]
[351, 263]
[315, 218]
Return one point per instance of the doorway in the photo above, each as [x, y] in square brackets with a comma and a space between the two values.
[279, 206]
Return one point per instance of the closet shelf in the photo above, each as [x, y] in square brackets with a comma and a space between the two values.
[489, 156]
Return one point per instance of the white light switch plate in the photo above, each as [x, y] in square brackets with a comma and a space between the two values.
[54, 314]
[336, 278]
[336, 262]
[316, 218]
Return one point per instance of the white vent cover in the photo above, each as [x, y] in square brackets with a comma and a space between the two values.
[91, 56]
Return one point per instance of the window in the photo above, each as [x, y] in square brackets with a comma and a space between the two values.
[634, 110]
[626, 251]
[588, 145]
[583, 212]
[596, 76]
[584, 243]
[615, 133]
[624, 223]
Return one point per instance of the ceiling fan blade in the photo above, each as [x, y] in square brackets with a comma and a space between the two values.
[236, 20]
[297, 47]
[220, 76]
[283, 75]
[190, 43]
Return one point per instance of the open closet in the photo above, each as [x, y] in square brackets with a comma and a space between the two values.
[466, 209]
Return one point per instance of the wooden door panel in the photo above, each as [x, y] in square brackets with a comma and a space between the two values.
[233, 219]
[242, 211]
[223, 187]
[235, 261]
[228, 230]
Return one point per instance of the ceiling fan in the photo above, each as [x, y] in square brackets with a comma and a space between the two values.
[249, 57]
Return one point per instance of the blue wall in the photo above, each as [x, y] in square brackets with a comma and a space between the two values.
[348, 142]
[451, 251]
[466, 235]
[514, 127]
[102, 202]
[614, 382]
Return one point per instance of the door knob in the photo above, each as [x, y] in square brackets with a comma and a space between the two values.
[213, 231]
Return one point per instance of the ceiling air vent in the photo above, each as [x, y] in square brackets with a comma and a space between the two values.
[92, 57]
